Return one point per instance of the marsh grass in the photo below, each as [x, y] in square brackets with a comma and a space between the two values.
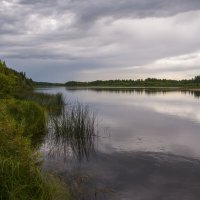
[24, 182]
[74, 131]
[53, 103]
[20, 174]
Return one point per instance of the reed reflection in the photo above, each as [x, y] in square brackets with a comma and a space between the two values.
[72, 133]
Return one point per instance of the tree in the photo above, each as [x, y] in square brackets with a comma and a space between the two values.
[197, 79]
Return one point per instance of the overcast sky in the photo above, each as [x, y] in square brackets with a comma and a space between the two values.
[62, 40]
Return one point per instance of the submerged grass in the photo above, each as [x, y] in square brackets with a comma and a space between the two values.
[74, 130]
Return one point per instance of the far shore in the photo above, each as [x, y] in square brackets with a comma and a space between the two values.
[121, 87]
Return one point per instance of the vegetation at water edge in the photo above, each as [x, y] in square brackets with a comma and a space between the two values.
[22, 128]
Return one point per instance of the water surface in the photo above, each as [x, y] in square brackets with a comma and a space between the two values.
[147, 146]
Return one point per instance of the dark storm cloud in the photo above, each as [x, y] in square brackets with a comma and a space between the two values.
[88, 10]
[93, 10]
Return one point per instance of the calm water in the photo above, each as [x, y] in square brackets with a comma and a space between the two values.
[148, 146]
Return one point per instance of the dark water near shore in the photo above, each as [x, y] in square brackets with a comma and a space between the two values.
[148, 146]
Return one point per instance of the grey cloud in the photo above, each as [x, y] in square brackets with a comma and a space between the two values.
[90, 9]
[131, 8]
[85, 35]
[86, 12]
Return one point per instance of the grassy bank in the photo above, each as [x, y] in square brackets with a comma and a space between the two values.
[50, 102]
[22, 128]
[21, 176]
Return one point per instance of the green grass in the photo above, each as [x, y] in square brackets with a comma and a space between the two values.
[22, 128]
[20, 174]
[21, 182]
[29, 116]
[53, 103]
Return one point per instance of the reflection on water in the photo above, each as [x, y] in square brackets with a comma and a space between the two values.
[152, 150]
[146, 91]
[71, 133]
[196, 94]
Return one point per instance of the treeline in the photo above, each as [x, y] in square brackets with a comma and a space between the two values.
[12, 81]
[48, 84]
[149, 82]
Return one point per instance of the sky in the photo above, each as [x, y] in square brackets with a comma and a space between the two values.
[85, 40]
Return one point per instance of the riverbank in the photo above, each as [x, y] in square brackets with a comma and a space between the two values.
[23, 125]
[22, 128]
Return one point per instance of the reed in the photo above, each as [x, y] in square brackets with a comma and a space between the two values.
[74, 131]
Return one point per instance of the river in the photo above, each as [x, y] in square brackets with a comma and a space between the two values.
[147, 148]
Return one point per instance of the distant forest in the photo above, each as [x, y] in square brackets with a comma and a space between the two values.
[149, 82]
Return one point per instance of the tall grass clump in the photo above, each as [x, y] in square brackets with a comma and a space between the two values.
[20, 181]
[51, 102]
[20, 174]
[74, 131]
